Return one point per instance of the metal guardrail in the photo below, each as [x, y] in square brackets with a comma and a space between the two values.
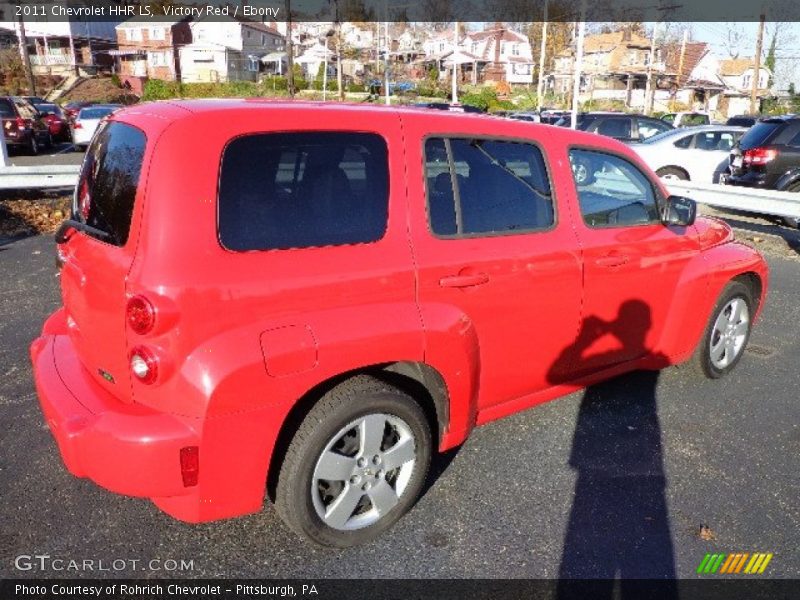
[768, 202]
[31, 178]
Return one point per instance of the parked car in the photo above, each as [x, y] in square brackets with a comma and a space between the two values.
[451, 107]
[687, 119]
[71, 109]
[768, 157]
[330, 294]
[56, 120]
[551, 116]
[742, 121]
[31, 99]
[620, 126]
[23, 126]
[530, 117]
[87, 121]
[697, 154]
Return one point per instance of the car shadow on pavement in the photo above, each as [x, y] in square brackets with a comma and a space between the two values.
[619, 526]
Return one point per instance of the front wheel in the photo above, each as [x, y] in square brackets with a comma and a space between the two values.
[727, 332]
[356, 464]
[672, 173]
[33, 146]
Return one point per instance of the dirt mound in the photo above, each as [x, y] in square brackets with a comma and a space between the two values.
[99, 89]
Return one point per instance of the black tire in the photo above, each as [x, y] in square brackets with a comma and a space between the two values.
[33, 145]
[583, 172]
[351, 400]
[674, 172]
[702, 361]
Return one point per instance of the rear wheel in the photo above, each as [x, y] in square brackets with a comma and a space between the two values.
[727, 332]
[356, 464]
[33, 145]
[672, 173]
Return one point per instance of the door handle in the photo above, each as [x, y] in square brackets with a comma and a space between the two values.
[460, 281]
[611, 260]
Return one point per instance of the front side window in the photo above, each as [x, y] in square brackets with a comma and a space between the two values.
[612, 192]
[484, 187]
[649, 128]
[301, 190]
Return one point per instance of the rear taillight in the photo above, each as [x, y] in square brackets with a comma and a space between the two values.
[758, 156]
[140, 315]
[144, 364]
[21, 123]
[190, 465]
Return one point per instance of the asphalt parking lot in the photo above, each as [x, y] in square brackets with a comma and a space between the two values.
[59, 154]
[616, 480]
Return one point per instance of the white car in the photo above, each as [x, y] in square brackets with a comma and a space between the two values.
[696, 154]
[87, 121]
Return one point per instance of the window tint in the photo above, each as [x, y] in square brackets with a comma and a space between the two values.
[612, 191]
[109, 178]
[684, 142]
[500, 187]
[298, 190]
[795, 141]
[759, 134]
[714, 140]
[616, 128]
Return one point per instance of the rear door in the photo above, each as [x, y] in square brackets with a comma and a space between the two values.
[95, 267]
[489, 247]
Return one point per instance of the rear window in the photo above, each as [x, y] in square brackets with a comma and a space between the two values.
[95, 113]
[109, 178]
[301, 190]
[759, 134]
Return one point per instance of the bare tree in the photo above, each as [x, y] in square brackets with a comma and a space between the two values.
[736, 39]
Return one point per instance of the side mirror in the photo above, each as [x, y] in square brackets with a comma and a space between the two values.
[680, 211]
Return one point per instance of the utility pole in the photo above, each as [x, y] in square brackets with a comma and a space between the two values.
[387, 48]
[26, 59]
[576, 83]
[757, 64]
[454, 90]
[542, 50]
[683, 56]
[289, 50]
[649, 91]
[338, 50]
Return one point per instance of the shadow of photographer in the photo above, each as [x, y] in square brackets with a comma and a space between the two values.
[619, 523]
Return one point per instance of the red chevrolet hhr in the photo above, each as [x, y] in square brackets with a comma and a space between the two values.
[303, 301]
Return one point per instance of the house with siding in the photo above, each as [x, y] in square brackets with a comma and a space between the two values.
[229, 50]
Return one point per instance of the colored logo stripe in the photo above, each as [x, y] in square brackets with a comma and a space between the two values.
[753, 564]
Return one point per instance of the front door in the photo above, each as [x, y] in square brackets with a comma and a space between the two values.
[632, 261]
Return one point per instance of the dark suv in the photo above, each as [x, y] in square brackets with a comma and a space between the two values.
[23, 125]
[768, 157]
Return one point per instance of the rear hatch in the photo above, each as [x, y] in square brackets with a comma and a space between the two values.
[757, 137]
[95, 263]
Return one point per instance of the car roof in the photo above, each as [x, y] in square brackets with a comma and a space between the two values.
[154, 117]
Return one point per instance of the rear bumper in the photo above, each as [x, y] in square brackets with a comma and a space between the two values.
[125, 448]
[135, 450]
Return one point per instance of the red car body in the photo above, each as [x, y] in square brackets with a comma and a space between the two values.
[241, 338]
[56, 120]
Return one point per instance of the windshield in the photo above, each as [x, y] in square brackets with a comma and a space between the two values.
[664, 135]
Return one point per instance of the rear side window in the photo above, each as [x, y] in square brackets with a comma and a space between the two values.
[95, 113]
[301, 190]
[484, 187]
[759, 134]
[109, 178]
